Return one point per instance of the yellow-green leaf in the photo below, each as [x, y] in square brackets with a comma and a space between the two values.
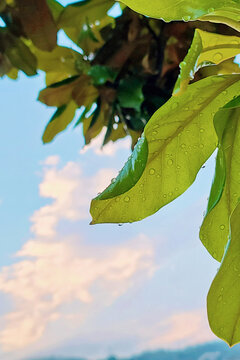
[229, 15]
[207, 48]
[224, 195]
[60, 120]
[223, 300]
[77, 14]
[186, 10]
[180, 137]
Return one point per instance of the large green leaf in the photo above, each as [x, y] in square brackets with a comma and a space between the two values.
[207, 48]
[180, 138]
[226, 186]
[60, 120]
[186, 10]
[223, 300]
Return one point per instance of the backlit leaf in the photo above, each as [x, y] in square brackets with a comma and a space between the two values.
[206, 48]
[180, 137]
[223, 300]
[186, 10]
[225, 190]
[60, 120]
[79, 13]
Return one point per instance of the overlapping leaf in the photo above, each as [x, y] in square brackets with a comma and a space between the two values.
[225, 190]
[186, 10]
[223, 300]
[38, 23]
[180, 137]
[79, 13]
[207, 48]
[60, 120]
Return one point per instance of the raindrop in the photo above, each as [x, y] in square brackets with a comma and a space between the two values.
[152, 171]
[127, 199]
[186, 18]
[183, 146]
[217, 57]
[210, 10]
[143, 199]
[222, 227]
[164, 195]
[170, 194]
[201, 146]
[170, 162]
[202, 130]
[117, 199]
[220, 298]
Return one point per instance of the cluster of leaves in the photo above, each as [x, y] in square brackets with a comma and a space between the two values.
[179, 138]
[125, 68]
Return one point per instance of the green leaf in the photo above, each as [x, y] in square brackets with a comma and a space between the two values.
[130, 93]
[207, 48]
[101, 74]
[228, 15]
[60, 120]
[223, 300]
[77, 14]
[226, 186]
[180, 138]
[38, 23]
[186, 10]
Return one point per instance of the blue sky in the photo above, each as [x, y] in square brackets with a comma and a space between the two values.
[67, 288]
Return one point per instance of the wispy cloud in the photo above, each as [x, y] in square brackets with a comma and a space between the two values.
[108, 150]
[52, 271]
[71, 193]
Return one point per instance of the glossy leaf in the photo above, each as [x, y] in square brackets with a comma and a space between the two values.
[186, 10]
[38, 23]
[207, 48]
[228, 15]
[180, 138]
[60, 120]
[225, 190]
[223, 300]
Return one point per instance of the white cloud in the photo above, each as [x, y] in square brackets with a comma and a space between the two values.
[51, 160]
[181, 329]
[51, 274]
[71, 192]
[107, 150]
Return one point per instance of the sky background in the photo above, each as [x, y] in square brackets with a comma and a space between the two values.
[67, 288]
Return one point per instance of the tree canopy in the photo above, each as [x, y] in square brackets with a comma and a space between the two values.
[164, 73]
